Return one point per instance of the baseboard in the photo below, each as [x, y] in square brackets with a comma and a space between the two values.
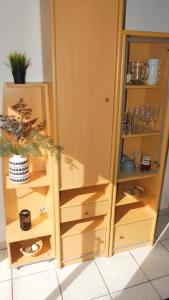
[163, 212]
[2, 245]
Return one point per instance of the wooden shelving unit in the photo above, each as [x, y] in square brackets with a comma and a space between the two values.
[134, 218]
[36, 194]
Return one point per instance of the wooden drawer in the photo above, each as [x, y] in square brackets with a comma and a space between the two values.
[84, 211]
[83, 203]
[82, 238]
[90, 242]
[132, 234]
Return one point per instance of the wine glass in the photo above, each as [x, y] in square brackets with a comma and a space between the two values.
[147, 118]
[155, 117]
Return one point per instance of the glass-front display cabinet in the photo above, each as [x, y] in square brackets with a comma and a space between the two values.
[142, 137]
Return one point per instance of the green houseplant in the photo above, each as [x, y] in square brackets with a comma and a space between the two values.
[23, 136]
[18, 63]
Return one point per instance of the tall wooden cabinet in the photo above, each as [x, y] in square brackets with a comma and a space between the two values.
[84, 47]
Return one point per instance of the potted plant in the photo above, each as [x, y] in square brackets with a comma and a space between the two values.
[22, 136]
[18, 63]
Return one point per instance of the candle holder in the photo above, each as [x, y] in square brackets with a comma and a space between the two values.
[25, 219]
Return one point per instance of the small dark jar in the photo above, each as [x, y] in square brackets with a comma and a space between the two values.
[146, 163]
[25, 219]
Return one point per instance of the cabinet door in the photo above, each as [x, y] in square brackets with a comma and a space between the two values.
[86, 33]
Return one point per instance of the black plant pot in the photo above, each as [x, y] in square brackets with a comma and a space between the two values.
[19, 76]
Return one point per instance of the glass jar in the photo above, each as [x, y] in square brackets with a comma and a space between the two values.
[146, 163]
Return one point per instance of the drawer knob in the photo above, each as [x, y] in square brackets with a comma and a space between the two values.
[121, 237]
[86, 213]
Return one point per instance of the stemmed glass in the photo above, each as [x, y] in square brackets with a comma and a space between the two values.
[147, 118]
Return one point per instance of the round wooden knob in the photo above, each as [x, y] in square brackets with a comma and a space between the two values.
[107, 100]
[86, 213]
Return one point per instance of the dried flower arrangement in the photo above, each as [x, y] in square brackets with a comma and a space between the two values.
[24, 135]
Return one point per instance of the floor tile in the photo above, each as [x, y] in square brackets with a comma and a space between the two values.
[5, 271]
[154, 261]
[81, 281]
[33, 268]
[162, 230]
[140, 292]
[162, 286]
[165, 244]
[106, 297]
[6, 290]
[120, 271]
[40, 286]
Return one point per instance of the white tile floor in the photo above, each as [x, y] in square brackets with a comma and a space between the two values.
[140, 274]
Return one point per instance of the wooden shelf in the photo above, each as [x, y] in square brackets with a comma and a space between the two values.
[40, 226]
[137, 175]
[141, 134]
[18, 259]
[27, 84]
[74, 228]
[37, 179]
[132, 213]
[122, 199]
[83, 196]
[145, 86]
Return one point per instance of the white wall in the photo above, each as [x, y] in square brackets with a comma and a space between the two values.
[147, 15]
[19, 30]
[150, 15]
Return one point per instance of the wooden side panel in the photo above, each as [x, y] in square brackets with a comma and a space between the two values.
[85, 55]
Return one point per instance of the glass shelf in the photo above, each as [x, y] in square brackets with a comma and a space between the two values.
[145, 86]
[137, 175]
[141, 134]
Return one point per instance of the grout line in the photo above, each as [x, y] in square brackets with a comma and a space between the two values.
[163, 246]
[131, 286]
[145, 275]
[2, 249]
[100, 297]
[58, 283]
[12, 286]
[102, 279]
[2, 281]
[157, 241]
[34, 273]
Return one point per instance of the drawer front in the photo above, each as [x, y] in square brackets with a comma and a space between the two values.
[91, 242]
[131, 234]
[84, 211]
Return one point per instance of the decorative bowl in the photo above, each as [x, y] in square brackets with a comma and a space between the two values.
[134, 191]
[31, 248]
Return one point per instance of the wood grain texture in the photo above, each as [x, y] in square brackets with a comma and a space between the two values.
[85, 66]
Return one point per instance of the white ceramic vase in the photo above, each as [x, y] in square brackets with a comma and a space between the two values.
[18, 169]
